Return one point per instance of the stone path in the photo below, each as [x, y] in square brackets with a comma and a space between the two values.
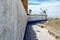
[35, 32]
[42, 33]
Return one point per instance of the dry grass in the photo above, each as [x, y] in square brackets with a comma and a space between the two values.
[53, 25]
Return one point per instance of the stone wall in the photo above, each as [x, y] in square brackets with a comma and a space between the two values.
[36, 17]
[13, 20]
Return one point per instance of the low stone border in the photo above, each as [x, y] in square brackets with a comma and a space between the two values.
[57, 36]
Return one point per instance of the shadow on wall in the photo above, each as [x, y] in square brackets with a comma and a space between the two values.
[38, 21]
[30, 33]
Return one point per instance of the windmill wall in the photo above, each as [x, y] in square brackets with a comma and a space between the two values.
[13, 20]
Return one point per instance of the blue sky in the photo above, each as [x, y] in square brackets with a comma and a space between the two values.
[52, 6]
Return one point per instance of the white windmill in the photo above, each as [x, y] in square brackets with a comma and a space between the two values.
[43, 12]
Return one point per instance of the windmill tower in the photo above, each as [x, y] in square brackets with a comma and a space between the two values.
[43, 12]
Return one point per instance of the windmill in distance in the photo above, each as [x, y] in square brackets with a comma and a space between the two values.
[43, 12]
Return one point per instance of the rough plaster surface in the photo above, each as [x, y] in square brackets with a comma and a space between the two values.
[12, 20]
[36, 17]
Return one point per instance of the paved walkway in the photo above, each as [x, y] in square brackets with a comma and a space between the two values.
[35, 32]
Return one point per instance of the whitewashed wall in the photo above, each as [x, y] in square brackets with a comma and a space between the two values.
[13, 20]
[36, 17]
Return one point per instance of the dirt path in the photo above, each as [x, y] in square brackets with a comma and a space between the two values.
[35, 32]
